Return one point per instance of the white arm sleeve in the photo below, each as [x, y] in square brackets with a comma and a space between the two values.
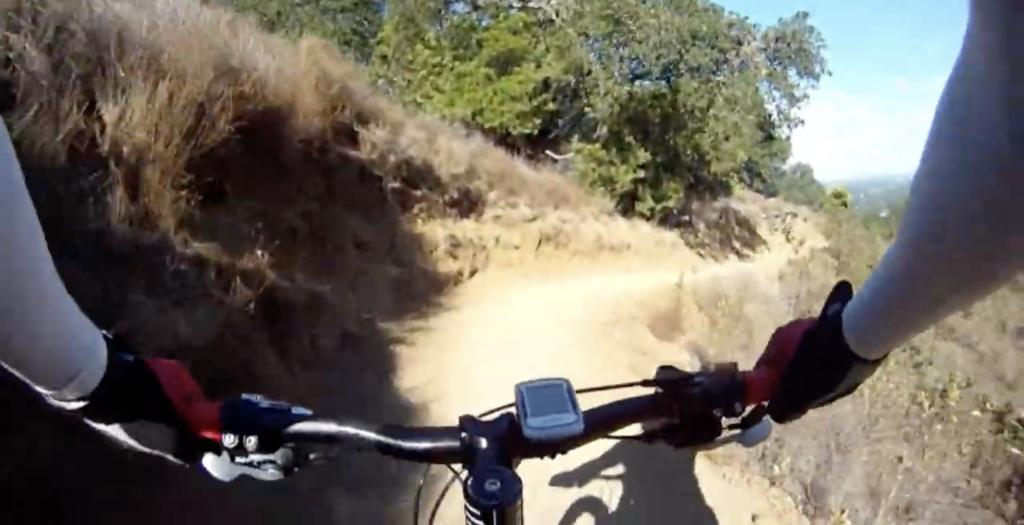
[44, 337]
[962, 234]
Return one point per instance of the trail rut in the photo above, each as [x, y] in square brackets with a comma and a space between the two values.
[586, 324]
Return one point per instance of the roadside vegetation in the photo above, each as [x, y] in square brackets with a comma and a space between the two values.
[934, 437]
[937, 436]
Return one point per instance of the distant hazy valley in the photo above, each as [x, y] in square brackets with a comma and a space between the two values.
[876, 194]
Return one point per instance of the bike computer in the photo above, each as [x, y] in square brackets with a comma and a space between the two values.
[547, 409]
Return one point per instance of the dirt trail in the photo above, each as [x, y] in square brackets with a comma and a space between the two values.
[587, 323]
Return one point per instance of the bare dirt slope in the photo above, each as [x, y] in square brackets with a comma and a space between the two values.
[594, 325]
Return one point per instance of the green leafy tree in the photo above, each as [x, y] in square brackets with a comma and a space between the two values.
[490, 68]
[663, 102]
[798, 185]
[693, 88]
[351, 24]
[792, 53]
[838, 198]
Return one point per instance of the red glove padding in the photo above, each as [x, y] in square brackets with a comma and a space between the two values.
[763, 381]
[808, 363]
[134, 389]
[200, 416]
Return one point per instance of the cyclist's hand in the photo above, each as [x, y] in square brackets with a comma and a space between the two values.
[810, 363]
[154, 405]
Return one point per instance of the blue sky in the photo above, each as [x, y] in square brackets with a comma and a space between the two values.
[889, 62]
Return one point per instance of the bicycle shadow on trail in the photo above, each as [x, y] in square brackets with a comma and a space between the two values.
[659, 485]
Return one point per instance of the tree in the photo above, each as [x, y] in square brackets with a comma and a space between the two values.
[351, 24]
[490, 68]
[838, 198]
[798, 185]
[662, 102]
[793, 55]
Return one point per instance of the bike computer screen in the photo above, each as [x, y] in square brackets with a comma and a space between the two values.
[547, 410]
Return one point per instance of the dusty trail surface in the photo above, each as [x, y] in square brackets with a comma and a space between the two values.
[592, 327]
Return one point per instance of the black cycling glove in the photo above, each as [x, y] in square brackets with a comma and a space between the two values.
[823, 368]
[135, 389]
[129, 391]
[239, 436]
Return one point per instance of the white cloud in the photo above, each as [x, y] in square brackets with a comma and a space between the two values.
[868, 132]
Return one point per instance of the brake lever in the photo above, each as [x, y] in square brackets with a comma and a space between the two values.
[265, 467]
[709, 434]
[250, 440]
[717, 389]
[747, 437]
[701, 400]
[753, 418]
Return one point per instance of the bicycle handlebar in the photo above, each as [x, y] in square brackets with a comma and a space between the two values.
[438, 445]
[690, 409]
[598, 422]
[264, 438]
[449, 445]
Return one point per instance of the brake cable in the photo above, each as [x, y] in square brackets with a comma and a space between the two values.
[457, 474]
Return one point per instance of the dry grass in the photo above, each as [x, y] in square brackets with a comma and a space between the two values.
[928, 440]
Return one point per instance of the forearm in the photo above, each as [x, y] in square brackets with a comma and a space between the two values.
[961, 236]
[44, 337]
